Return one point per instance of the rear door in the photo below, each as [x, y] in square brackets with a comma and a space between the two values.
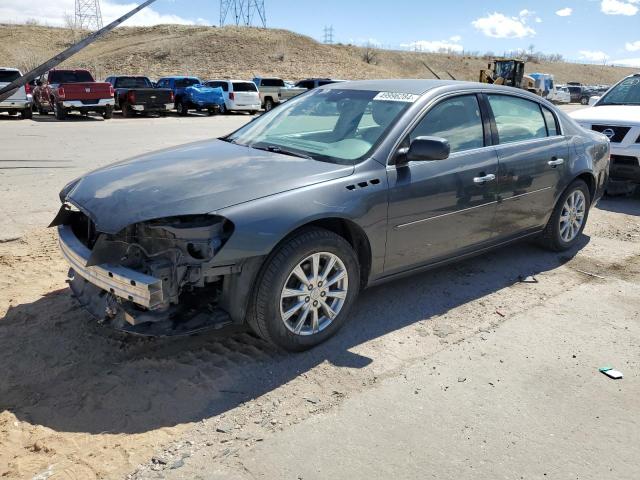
[443, 208]
[246, 93]
[532, 158]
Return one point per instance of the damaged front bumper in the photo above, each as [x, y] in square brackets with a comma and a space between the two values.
[122, 282]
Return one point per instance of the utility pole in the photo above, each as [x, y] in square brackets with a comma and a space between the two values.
[328, 35]
[88, 15]
[243, 12]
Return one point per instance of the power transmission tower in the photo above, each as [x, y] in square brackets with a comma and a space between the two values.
[328, 35]
[243, 12]
[88, 15]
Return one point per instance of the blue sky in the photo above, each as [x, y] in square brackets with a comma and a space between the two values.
[590, 30]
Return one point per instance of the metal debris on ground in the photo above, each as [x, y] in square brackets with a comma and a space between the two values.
[611, 373]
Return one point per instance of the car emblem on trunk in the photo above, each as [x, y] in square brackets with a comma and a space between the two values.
[87, 90]
[609, 133]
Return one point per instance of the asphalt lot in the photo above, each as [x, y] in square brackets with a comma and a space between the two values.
[464, 372]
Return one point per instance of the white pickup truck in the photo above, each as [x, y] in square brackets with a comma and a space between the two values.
[21, 100]
[273, 91]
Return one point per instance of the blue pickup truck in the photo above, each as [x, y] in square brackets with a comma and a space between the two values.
[191, 94]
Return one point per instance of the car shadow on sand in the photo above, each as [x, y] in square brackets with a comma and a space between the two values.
[629, 205]
[62, 371]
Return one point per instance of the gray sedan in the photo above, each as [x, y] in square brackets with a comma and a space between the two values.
[281, 224]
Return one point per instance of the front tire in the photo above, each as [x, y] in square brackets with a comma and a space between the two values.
[569, 218]
[107, 114]
[305, 290]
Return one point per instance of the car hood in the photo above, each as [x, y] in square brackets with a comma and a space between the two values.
[613, 114]
[191, 179]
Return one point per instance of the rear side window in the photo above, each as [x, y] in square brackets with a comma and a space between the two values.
[458, 120]
[70, 77]
[517, 119]
[552, 123]
[244, 87]
[8, 76]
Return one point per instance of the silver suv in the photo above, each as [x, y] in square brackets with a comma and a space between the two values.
[21, 101]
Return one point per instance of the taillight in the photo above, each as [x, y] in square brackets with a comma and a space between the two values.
[172, 97]
[61, 95]
[27, 88]
[112, 92]
[132, 97]
[232, 96]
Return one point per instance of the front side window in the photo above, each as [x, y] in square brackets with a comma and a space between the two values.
[339, 126]
[626, 92]
[517, 119]
[458, 120]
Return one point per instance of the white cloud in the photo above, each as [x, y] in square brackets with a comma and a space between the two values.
[593, 55]
[564, 12]
[633, 46]
[538, 20]
[456, 38]
[497, 25]
[52, 13]
[627, 62]
[619, 7]
[435, 45]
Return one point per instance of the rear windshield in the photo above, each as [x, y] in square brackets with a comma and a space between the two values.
[133, 82]
[244, 87]
[8, 76]
[70, 77]
[186, 82]
[272, 82]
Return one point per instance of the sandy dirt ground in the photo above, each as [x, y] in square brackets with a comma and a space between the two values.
[78, 401]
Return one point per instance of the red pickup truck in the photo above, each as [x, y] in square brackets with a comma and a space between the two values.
[62, 91]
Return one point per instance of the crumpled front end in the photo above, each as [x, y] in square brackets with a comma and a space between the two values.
[153, 278]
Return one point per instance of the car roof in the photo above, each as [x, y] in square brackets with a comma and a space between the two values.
[412, 86]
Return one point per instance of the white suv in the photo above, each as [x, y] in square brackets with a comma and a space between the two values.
[21, 101]
[617, 115]
[239, 95]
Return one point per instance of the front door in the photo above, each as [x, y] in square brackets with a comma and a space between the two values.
[445, 207]
[532, 156]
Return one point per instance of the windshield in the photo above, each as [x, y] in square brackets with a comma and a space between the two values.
[626, 92]
[340, 126]
[133, 82]
[70, 77]
[8, 76]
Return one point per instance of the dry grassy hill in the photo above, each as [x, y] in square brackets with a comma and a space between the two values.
[241, 52]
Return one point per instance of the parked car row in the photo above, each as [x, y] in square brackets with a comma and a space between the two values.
[75, 90]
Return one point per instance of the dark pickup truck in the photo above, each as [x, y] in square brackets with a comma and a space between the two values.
[137, 94]
[62, 91]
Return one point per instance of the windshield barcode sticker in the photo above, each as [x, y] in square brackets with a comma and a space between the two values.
[396, 97]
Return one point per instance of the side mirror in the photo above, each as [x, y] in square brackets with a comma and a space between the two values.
[424, 149]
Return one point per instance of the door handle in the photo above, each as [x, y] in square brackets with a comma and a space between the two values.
[487, 178]
[555, 162]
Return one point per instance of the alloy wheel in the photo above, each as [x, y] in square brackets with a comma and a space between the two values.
[572, 216]
[314, 293]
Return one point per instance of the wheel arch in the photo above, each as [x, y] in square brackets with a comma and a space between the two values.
[590, 180]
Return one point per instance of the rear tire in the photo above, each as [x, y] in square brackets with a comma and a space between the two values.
[182, 109]
[272, 300]
[127, 112]
[26, 114]
[107, 114]
[268, 105]
[567, 223]
[584, 101]
[59, 111]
